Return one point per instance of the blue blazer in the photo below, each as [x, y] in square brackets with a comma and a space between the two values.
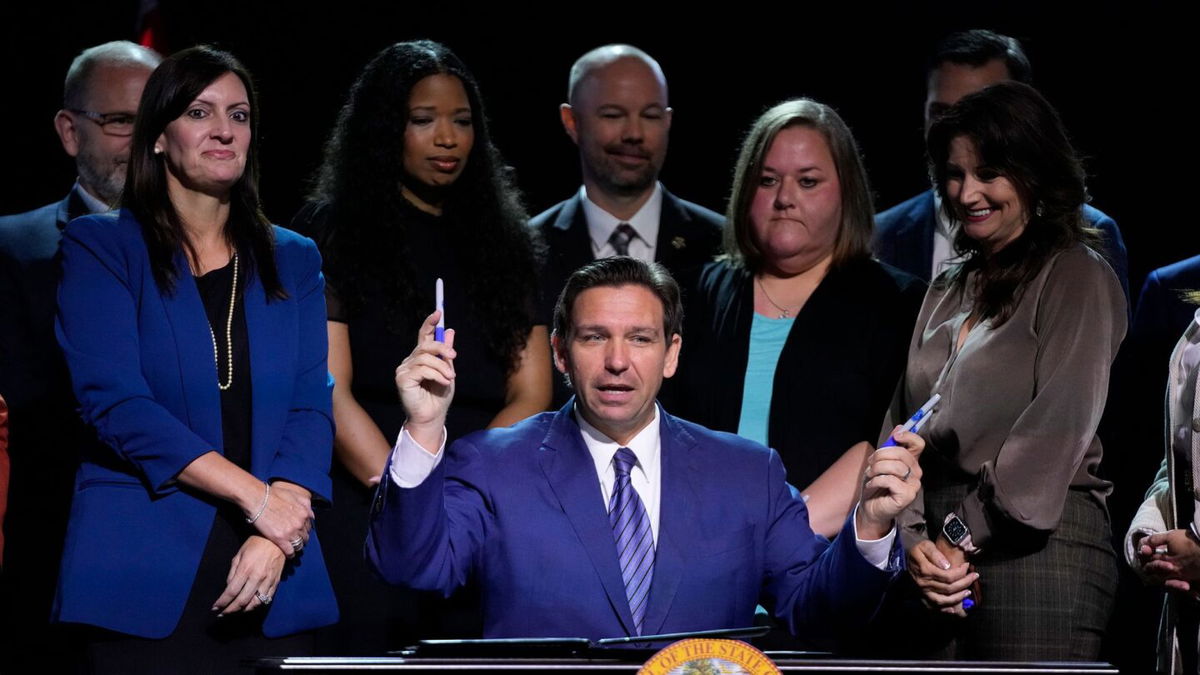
[904, 238]
[142, 368]
[520, 509]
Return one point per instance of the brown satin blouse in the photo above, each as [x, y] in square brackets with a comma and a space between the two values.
[1020, 402]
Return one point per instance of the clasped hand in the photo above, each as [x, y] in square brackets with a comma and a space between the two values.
[1172, 559]
[425, 382]
[943, 574]
[253, 577]
[287, 518]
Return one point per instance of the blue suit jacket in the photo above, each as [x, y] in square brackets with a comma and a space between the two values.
[520, 509]
[904, 238]
[142, 368]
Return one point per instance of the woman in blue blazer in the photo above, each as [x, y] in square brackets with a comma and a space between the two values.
[195, 336]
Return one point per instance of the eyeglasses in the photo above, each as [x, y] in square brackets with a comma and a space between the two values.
[112, 124]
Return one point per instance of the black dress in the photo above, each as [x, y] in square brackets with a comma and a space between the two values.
[375, 616]
[203, 642]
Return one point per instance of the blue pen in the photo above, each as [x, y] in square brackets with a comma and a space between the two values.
[914, 423]
[439, 331]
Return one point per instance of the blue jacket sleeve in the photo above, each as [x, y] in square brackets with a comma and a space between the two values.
[429, 537]
[810, 586]
[306, 448]
[97, 328]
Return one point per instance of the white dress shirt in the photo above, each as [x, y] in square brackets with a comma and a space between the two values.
[943, 238]
[412, 464]
[93, 205]
[601, 225]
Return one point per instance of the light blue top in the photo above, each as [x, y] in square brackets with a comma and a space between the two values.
[767, 337]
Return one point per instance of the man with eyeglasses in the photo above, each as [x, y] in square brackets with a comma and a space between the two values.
[100, 101]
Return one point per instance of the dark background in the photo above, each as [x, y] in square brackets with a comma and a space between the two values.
[1112, 69]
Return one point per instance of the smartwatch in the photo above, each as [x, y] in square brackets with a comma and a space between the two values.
[958, 533]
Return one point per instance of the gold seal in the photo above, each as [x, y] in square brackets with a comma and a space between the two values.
[709, 657]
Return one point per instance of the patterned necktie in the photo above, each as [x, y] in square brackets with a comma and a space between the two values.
[635, 542]
[621, 237]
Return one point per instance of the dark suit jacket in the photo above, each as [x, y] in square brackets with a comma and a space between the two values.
[904, 238]
[31, 366]
[45, 430]
[141, 363]
[689, 235]
[520, 509]
[1132, 427]
[835, 376]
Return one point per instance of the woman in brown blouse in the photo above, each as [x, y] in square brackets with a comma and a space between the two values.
[1018, 338]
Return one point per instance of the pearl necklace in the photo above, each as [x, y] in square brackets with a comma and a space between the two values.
[228, 334]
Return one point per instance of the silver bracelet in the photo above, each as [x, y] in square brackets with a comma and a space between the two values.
[262, 507]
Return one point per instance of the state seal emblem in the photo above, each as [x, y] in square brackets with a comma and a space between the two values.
[709, 657]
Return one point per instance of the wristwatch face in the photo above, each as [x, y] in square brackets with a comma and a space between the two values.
[955, 530]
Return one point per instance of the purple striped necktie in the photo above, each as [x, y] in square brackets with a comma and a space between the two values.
[635, 541]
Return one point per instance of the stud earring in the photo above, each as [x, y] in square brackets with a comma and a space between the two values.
[158, 150]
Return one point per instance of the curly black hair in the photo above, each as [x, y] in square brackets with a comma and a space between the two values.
[365, 234]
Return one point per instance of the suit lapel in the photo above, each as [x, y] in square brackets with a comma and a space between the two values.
[673, 232]
[193, 345]
[572, 476]
[575, 245]
[677, 515]
[916, 242]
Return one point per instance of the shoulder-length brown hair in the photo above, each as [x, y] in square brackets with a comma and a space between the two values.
[170, 90]
[1018, 135]
[858, 212]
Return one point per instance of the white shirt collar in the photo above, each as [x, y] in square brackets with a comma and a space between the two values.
[601, 223]
[93, 205]
[944, 226]
[645, 445]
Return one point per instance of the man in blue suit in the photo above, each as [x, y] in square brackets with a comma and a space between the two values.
[915, 235]
[611, 517]
[100, 99]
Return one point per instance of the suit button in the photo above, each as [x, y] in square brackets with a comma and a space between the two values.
[1196, 425]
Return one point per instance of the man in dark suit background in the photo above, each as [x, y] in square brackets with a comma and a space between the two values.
[915, 235]
[611, 517]
[617, 112]
[100, 100]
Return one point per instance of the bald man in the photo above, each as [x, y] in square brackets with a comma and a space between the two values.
[618, 113]
[100, 100]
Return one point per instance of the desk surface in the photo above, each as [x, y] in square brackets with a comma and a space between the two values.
[600, 665]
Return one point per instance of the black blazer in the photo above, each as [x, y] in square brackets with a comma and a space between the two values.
[689, 236]
[835, 376]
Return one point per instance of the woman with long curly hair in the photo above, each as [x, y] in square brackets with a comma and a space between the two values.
[412, 189]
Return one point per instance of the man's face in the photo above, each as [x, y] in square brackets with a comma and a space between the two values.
[952, 81]
[102, 158]
[620, 121]
[617, 357]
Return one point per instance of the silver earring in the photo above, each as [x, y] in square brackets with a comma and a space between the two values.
[158, 150]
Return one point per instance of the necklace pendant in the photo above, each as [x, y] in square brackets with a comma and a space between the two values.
[785, 314]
